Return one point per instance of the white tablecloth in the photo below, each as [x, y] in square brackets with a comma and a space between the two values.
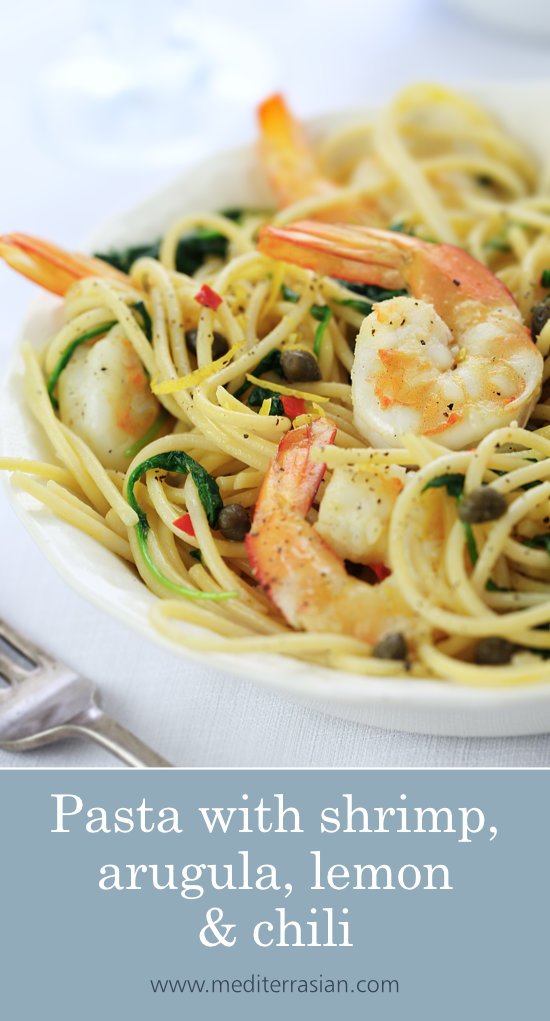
[324, 55]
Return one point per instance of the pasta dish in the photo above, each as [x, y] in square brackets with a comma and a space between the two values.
[322, 430]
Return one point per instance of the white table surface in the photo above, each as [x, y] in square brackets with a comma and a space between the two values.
[324, 54]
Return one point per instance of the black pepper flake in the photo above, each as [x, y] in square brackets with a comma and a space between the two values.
[456, 283]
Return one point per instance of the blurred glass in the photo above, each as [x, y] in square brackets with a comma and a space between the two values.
[150, 84]
[529, 18]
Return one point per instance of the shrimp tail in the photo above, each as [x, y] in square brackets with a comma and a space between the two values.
[50, 266]
[287, 493]
[363, 254]
[287, 155]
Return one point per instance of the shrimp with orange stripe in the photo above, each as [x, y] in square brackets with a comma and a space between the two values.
[103, 392]
[302, 574]
[452, 359]
[293, 170]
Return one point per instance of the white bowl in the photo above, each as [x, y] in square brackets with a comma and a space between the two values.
[427, 706]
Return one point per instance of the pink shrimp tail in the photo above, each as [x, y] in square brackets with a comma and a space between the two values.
[50, 266]
[290, 484]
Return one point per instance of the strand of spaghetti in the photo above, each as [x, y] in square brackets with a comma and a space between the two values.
[115, 524]
[485, 622]
[242, 480]
[96, 471]
[256, 620]
[507, 178]
[242, 445]
[368, 665]
[151, 273]
[167, 512]
[158, 558]
[529, 559]
[108, 296]
[39, 468]
[312, 206]
[532, 672]
[290, 643]
[75, 328]
[502, 528]
[207, 221]
[282, 331]
[253, 312]
[226, 578]
[79, 518]
[179, 405]
[393, 154]
[41, 408]
[271, 428]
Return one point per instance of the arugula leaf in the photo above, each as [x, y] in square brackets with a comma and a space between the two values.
[538, 542]
[180, 462]
[147, 326]
[323, 315]
[400, 227]
[497, 245]
[288, 294]
[236, 214]
[207, 488]
[526, 485]
[492, 586]
[470, 542]
[371, 291]
[453, 483]
[270, 363]
[124, 258]
[360, 306]
[259, 394]
[191, 251]
[545, 278]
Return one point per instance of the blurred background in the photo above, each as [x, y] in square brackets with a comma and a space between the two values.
[105, 100]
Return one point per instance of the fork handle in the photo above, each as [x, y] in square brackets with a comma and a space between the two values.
[121, 742]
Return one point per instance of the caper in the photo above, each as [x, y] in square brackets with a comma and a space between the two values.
[300, 366]
[483, 504]
[391, 646]
[219, 343]
[493, 651]
[540, 314]
[233, 521]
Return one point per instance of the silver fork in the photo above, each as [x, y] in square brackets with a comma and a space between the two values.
[45, 701]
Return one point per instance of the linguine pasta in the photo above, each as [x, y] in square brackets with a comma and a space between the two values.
[433, 165]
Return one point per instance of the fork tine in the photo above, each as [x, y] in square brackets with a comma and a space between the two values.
[10, 671]
[18, 657]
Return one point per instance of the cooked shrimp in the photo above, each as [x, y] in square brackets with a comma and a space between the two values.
[288, 157]
[454, 359]
[355, 511]
[293, 170]
[301, 573]
[51, 266]
[105, 397]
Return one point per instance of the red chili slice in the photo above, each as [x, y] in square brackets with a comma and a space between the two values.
[185, 524]
[380, 570]
[293, 406]
[207, 297]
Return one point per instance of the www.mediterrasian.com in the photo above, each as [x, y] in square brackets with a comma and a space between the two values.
[257, 983]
